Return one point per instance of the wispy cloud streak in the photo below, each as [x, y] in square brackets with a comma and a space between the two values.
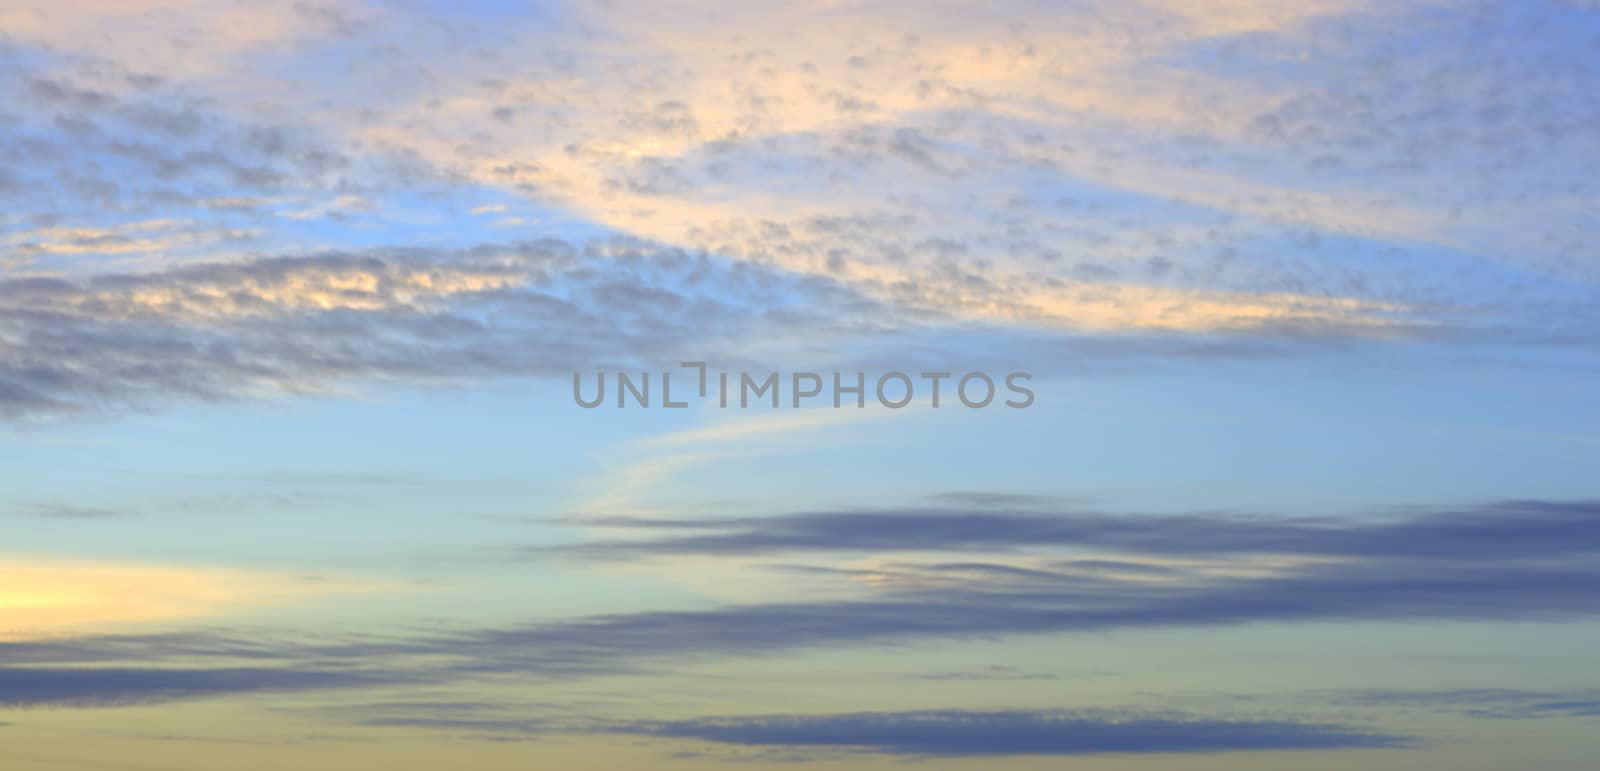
[960, 734]
[1360, 573]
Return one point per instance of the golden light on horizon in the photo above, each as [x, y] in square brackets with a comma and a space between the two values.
[42, 597]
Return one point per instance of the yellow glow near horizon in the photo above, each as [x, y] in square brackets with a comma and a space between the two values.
[45, 597]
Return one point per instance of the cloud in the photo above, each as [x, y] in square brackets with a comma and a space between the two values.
[129, 238]
[996, 673]
[1348, 593]
[925, 603]
[113, 168]
[1499, 531]
[1491, 703]
[1035, 574]
[1503, 564]
[1019, 167]
[647, 463]
[315, 323]
[176, 38]
[961, 734]
[331, 321]
[923, 734]
[981, 169]
[68, 512]
[1237, 182]
[97, 687]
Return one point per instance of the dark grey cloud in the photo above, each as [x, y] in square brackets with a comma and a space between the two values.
[1499, 531]
[1346, 593]
[957, 733]
[29, 687]
[1506, 562]
[922, 734]
[169, 649]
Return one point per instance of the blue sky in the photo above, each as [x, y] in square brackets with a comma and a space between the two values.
[291, 298]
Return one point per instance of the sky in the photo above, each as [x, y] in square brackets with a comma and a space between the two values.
[295, 297]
